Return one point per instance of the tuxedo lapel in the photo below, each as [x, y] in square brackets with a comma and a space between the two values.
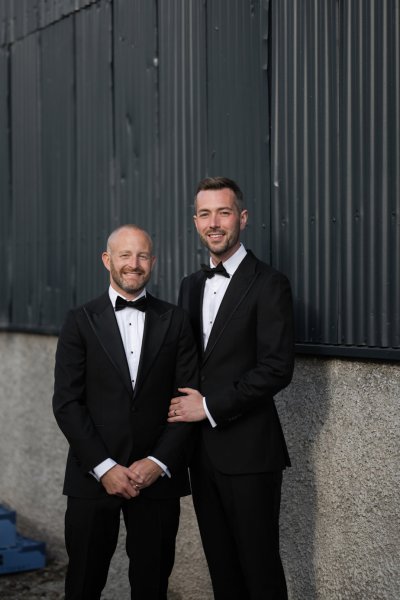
[241, 283]
[102, 319]
[194, 307]
[157, 323]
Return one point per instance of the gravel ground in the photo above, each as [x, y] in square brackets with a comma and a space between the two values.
[189, 579]
[45, 584]
[48, 584]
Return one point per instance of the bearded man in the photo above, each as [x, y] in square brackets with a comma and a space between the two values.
[119, 360]
[241, 313]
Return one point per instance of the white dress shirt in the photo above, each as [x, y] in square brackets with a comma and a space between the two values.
[131, 326]
[214, 292]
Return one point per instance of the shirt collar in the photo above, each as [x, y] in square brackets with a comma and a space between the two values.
[233, 261]
[114, 295]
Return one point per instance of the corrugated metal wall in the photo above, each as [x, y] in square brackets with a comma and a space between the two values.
[112, 110]
[19, 18]
[369, 120]
[304, 151]
[124, 106]
[335, 114]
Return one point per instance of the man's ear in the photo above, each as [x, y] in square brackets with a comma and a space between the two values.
[243, 219]
[106, 260]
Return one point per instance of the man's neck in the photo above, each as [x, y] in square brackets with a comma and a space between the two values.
[128, 296]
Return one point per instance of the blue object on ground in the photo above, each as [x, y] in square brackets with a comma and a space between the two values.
[8, 532]
[18, 553]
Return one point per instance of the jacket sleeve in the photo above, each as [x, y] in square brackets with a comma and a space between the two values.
[69, 399]
[173, 445]
[273, 348]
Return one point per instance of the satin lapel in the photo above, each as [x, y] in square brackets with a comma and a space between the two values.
[195, 309]
[105, 326]
[155, 329]
[242, 282]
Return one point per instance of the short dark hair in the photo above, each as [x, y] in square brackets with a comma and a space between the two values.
[221, 183]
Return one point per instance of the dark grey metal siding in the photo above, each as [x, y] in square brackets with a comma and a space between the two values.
[182, 105]
[305, 170]
[5, 187]
[94, 143]
[116, 109]
[237, 46]
[369, 121]
[135, 173]
[28, 210]
[335, 171]
[59, 243]
[19, 18]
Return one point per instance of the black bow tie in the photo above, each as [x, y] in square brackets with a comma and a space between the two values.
[140, 304]
[218, 270]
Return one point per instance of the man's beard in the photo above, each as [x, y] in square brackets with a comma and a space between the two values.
[220, 250]
[129, 289]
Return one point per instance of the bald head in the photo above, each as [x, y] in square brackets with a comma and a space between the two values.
[116, 234]
[129, 259]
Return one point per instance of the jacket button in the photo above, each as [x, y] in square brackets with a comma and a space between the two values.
[203, 378]
[134, 409]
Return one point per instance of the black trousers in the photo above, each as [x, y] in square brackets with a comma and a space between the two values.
[91, 535]
[238, 517]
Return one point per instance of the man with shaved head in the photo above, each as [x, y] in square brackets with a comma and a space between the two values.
[119, 360]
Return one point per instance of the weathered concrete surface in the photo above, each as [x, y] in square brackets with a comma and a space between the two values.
[340, 508]
[340, 513]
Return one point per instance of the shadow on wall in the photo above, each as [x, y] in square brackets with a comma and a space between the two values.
[303, 408]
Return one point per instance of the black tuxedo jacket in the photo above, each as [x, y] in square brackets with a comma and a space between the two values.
[99, 412]
[249, 358]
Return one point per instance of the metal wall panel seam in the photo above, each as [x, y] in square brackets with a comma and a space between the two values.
[396, 177]
[25, 163]
[5, 187]
[58, 134]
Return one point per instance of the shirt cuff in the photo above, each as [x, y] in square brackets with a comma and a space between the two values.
[102, 468]
[209, 417]
[160, 464]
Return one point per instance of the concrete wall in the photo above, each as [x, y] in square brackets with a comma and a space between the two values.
[340, 512]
